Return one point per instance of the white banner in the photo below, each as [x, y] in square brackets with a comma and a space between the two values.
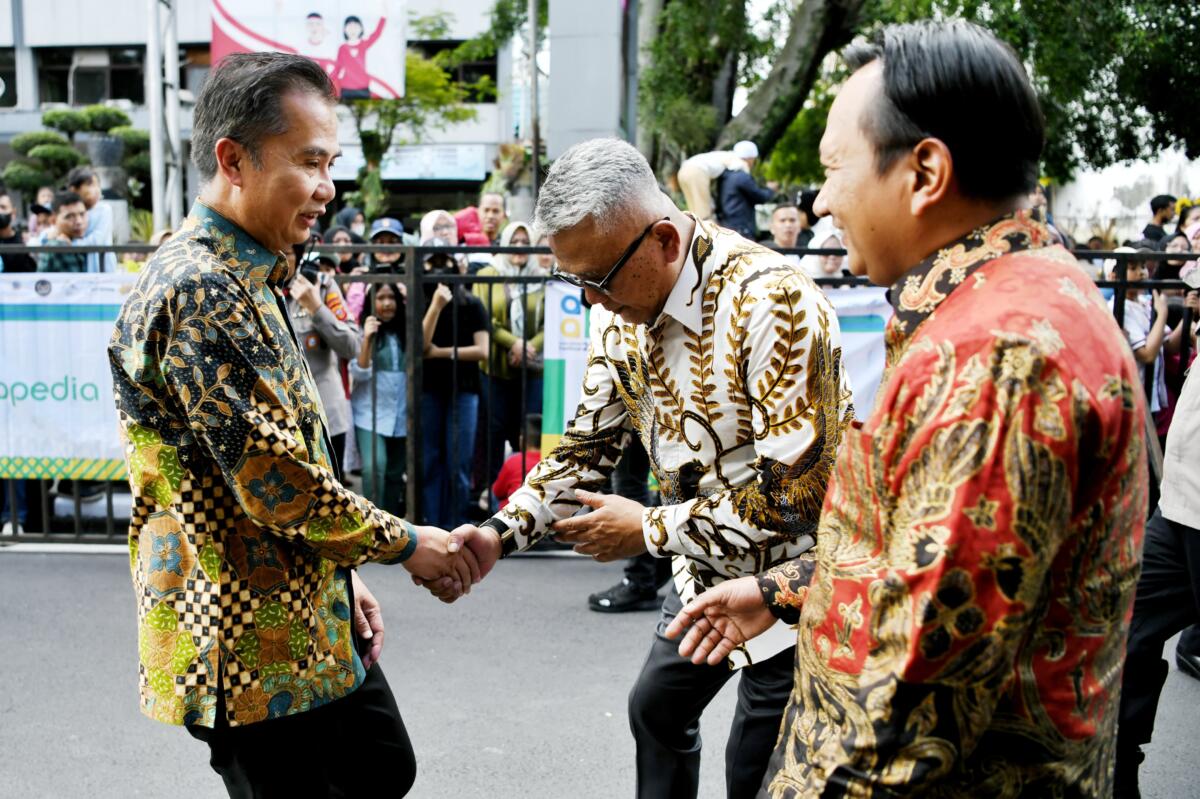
[862, 315]
[57, 417]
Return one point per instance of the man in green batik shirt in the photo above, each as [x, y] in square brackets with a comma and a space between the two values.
[242, 539]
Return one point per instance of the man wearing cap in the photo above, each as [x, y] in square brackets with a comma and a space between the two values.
[696, 175]
[385, 230]
[737, 193]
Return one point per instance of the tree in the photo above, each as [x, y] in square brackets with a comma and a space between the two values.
[432, 100]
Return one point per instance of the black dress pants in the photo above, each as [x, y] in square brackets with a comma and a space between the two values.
[1167, 601]
[664, 714]
[355, 746]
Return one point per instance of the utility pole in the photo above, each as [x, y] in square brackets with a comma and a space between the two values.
[535, 133]
[162, 104]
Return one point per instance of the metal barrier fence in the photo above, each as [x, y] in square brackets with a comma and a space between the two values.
[78, 512]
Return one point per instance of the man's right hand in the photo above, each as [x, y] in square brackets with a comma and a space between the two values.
[721, 619]
[442, 558]
[484, 543]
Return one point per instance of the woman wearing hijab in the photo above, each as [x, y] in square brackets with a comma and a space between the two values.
[352, 219]
[824, 237]
[513, 372]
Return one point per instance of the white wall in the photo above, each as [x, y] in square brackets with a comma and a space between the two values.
[6, 28]
[586, 79]
[77, 23]
[74, 23]
[1121, 194]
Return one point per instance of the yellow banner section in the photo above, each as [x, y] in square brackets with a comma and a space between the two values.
[70, 468]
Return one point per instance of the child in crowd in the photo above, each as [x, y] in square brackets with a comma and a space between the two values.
[381, 415]
[519, 464]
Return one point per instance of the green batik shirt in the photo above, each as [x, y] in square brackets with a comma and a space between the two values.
[241, 536]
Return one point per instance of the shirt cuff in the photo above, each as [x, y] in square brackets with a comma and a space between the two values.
[785, 587]
[508, 541]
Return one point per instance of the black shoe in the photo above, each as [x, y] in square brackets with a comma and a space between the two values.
[1188, 663]
[1125, 775]
[623, 597]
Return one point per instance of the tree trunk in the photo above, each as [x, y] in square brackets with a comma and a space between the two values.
[647, 31]
[818, 27]
[723, 86]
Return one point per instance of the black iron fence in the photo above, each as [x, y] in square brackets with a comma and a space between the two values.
[97, 512]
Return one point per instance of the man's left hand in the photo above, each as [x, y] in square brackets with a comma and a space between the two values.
[613, 529]
[307, 294]
[368, 620]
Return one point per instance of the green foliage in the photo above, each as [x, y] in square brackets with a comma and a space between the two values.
[432, 100]
[58, 158]
[137, 165]
[25, 177]
[22, 143]
[67, 120]
[507, 19]
[795, 159]
[141, 224]
[102, 118]
[135, 140]
[685, 90]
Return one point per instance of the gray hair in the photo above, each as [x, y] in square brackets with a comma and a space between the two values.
[605, 180]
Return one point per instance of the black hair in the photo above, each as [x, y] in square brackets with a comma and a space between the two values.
[242, 99]
[805, 203]
[350, 19]
[79, 176]
[314, 15]
[955, 82]
[1163, 242]
[62, 198]
[1188, 210]
[1160, 202]
[533, 431]
[396, 324]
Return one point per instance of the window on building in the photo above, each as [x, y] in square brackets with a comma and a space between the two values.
[8, 77]
[467, 73]
[54, 74]
[86, 75]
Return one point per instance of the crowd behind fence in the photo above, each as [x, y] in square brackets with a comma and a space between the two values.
[74, 511]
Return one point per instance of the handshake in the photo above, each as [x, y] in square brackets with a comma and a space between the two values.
[448, 564]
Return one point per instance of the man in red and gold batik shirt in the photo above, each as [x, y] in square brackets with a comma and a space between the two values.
[961, 621]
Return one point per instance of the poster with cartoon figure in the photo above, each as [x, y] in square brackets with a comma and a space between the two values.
[359, 43]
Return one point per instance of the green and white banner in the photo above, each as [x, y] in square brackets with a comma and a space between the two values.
[565, 359]
[57, 417]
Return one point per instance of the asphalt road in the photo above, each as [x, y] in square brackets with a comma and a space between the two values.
[516, 692]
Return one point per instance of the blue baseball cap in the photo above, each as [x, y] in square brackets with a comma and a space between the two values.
[386, 225]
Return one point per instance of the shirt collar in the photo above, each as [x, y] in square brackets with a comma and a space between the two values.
[240, 252]
[685, 304]
[923, 288]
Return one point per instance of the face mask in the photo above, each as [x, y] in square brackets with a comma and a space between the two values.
[5, 220]
[358, 230]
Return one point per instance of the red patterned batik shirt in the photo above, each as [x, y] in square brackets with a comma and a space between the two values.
[962, 620]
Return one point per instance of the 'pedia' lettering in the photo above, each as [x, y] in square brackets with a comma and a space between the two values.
[67, 389]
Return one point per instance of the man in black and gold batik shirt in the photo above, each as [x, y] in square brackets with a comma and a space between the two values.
[725, 361]
[242, 537]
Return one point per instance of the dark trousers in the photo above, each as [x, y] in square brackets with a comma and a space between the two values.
[644, 572]
[1167, 601]
[664, 714]
[355, 746]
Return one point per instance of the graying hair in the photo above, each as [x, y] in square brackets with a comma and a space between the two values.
[605, 180]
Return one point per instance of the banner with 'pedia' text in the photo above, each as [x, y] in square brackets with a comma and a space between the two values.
[57, 417]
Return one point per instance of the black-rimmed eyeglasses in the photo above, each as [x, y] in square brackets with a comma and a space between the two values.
[602, 284]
